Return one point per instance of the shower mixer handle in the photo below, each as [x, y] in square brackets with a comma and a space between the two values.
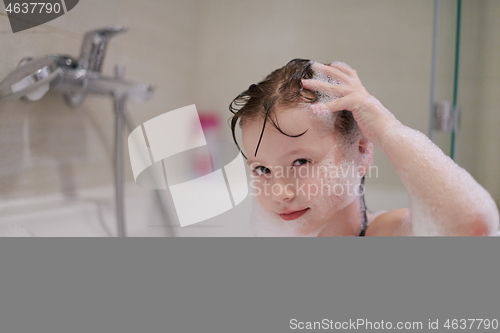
[94, 47]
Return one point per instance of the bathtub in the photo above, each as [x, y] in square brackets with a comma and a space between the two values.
[92, 214]
[89, 214]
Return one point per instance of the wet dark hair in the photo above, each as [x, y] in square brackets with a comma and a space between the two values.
[283, 88]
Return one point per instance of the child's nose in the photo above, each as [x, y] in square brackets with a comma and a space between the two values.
[283, 191]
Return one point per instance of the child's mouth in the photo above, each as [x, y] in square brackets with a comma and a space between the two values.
[294, 215]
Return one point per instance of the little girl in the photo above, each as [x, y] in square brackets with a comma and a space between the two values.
[308, 132]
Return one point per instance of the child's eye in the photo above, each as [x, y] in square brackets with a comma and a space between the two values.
[300, 161]
[261, 170]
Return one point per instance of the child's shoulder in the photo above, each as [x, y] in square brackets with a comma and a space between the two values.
[391, 223]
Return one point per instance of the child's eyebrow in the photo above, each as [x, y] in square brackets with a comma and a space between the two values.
[297, 151]
[290, 153]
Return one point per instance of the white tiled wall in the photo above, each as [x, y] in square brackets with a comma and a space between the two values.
[39, 139]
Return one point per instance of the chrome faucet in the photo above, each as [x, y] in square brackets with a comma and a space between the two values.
[94, 47]
[74, 78]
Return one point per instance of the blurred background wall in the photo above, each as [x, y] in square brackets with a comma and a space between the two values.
[207, 52]
[161, 47]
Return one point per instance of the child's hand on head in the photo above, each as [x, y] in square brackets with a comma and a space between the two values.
[372, 117]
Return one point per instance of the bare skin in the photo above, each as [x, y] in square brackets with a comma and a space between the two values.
[284, 165]
[464, 208]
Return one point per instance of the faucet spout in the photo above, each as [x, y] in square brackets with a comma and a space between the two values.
[94, 47]
[32, 78]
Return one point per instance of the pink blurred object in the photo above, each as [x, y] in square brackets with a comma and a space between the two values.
[203, 163]
[209, 120]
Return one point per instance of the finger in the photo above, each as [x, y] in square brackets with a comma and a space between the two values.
[340, 104]
[324, 87]
[351, 73]
[345, 68]
[331, 71]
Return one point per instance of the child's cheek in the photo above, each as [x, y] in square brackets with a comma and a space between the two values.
[259, 186]
[264, 201]
[333, 186]
[309, 189]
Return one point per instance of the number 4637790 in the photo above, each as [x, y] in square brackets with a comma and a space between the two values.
[33, 7]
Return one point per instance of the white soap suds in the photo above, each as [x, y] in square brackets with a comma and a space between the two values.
[339, 180]
[445, 197]
[319, 111]
[324, 77]
[340, 63]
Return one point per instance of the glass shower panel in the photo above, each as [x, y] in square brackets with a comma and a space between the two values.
[477, 139]
[469, 86]
[467, 76]
[443, 90]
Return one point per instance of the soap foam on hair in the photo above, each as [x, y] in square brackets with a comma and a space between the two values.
[340, 63]
[323, 77]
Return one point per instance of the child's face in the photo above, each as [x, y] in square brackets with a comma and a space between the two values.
[302, 183]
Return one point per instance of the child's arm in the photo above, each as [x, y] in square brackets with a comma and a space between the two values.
[444, 198]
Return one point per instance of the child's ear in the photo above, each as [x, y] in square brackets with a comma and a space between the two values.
[363, 145]
[365, 148]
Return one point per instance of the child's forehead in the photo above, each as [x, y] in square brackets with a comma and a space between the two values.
[293, 121]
